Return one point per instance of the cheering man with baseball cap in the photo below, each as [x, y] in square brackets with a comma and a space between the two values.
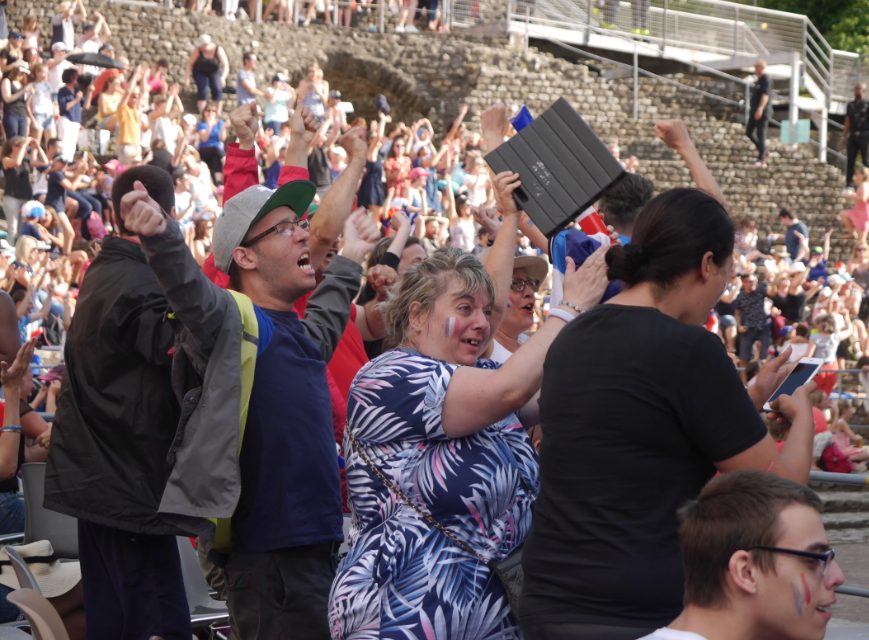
[282, 489]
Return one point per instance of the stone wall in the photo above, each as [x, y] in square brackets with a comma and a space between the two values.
[433, 75]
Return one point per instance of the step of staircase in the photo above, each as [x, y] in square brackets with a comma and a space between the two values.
[845, 630]
[861, 429]
[849, 520]
[845, 501]
[848, 536]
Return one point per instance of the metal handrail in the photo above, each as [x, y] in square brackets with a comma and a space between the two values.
[860, 592]
[649, 74]
[853, 479]
[850, 479]
[703, 26]
[705, 69]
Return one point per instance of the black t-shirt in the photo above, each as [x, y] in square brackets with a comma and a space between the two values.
[9, 57]
[636, 407]
[792, 307]
[318, 167]
[759, 88]
[725, 308]
[163, 159]
[858, 116]
[18, 183]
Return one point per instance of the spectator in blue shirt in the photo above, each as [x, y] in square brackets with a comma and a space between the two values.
[796, 235]
[818, 260]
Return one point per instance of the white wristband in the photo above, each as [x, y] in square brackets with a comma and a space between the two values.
[561, 314]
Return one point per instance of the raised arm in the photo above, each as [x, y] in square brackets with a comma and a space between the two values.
[303, 127]
[457, 123]
[401, 224]
[11, 162]
[478, 397]
[329, 306]
[535, 235]
[675, 135]
[493, 121]
[337, 203]
[132, 84]
[498, 260]
[78, 11]
[199, 305]
[240, 169]
[101, 28]
[369, 318]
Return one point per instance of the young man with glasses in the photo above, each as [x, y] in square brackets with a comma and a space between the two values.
[757, 562]
[282, 491]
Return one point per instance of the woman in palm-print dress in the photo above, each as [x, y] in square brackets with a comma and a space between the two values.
[441, 426]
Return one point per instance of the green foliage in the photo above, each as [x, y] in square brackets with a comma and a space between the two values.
[852, 32]
[845, 23]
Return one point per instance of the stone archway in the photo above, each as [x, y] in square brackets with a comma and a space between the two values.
[360, 79]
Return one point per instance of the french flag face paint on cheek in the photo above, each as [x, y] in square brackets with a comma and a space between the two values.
[808, 591]
[798, 600]
[449, 326]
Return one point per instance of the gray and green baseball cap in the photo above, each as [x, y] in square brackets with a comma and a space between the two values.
[244, 209]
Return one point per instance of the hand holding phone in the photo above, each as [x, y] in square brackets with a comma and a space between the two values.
[801, 374]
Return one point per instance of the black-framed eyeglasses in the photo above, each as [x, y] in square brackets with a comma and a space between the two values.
[518, 284]
[283, 228]
[824, 558]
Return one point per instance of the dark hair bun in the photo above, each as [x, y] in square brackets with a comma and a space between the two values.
[626, 263]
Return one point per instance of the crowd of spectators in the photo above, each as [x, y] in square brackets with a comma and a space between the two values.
[139, 198]
[432, 15]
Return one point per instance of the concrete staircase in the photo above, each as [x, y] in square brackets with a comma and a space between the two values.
[846, 514]
[846, 508]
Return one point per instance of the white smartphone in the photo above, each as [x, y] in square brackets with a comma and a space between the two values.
[801, 374]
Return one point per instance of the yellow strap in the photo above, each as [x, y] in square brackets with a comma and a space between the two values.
[249, 343]
[249, 340]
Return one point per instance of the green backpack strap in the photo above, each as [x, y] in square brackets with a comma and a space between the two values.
[249, 344]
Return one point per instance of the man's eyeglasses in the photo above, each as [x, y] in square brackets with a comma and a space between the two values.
[283, 228]
[518, 284]
[824, 558]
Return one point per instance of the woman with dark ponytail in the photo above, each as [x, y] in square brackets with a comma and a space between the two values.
[640, 406]
[671, 237]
